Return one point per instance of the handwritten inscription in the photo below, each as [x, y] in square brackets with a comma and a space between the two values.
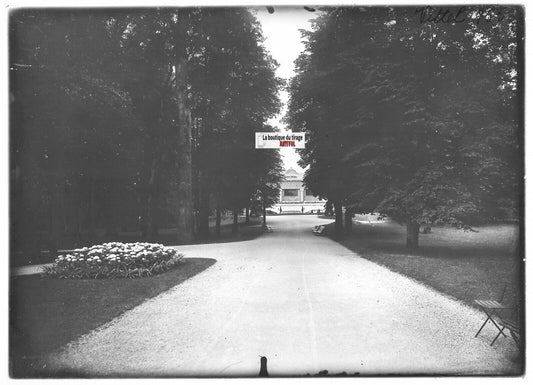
[458, 15]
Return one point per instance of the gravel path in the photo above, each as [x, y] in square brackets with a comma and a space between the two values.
[29, 270]
[306, 303]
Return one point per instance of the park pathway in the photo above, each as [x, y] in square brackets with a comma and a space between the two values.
[306, 303]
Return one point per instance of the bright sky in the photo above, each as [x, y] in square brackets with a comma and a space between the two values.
[283, 40]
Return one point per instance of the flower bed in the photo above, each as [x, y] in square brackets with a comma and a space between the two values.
[115, 260]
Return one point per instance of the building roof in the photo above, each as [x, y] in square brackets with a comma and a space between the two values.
[291, 174]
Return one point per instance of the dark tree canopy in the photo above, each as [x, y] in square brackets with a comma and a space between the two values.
[134, 119]
[416, 121]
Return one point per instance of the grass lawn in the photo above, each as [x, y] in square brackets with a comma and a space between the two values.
[464, 265]
[46, 313]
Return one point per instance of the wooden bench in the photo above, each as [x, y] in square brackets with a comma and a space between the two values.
[318, 229]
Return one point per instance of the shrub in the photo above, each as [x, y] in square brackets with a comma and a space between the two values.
[115, 260]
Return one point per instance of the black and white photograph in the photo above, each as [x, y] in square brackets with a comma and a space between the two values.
[266, 190]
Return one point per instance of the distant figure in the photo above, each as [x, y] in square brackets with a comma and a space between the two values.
[302, 209]
[280, 209]
[263, 372]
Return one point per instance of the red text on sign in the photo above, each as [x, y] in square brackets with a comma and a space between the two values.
[287, 143]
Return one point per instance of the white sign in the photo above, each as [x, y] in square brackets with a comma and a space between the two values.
[279, 140]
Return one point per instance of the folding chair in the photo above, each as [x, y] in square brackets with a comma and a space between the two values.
[492, 308]
[510, 325]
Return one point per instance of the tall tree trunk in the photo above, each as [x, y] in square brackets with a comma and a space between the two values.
[203, 214]
[111, 228]
[64, 213]
[56, 162]
[338, 217]
[520, 88]
[148, 232]
[144, 215]
[147, 222]
[413, 231]
[185, 221]
[90, 213]
[110, 217]
[151, 225]
[78, 225]
[235, 227]
[19, 225]
[55, 217]
[264, 215]
[348, 220]
[218, 220]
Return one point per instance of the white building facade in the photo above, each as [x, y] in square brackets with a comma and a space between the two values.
[295, 198]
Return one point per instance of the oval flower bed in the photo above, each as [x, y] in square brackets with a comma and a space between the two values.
[115, 260]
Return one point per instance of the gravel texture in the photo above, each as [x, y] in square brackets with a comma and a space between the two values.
[303, 301]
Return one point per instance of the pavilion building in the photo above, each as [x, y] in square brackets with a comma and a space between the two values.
[295, 198]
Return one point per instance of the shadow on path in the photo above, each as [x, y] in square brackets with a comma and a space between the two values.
[46, 313]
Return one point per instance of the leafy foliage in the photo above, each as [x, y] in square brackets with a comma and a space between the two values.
[417, 121]
[128, 119]
[235, 93]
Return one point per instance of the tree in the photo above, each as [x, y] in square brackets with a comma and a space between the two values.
[155, 46]
[270, 168]
[115, 114]
[410, 112]
[234, 89]
[71, 125]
